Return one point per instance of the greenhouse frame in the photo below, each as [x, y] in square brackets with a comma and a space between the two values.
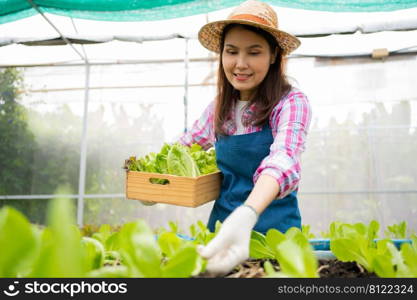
[95, 98]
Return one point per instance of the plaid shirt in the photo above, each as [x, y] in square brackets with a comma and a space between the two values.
[289, 121]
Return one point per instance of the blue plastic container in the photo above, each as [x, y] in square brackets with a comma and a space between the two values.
[324, 244]
[321, 247]
[185, 237]
[320, 244]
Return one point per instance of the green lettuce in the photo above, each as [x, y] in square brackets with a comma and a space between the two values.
[175, 159]
[180, 162]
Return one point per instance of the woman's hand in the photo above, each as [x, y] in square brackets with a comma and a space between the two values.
[231, 245]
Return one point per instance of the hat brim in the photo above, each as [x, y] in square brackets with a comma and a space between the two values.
[210, 35]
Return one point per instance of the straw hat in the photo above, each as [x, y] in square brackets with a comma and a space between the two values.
[254, 13]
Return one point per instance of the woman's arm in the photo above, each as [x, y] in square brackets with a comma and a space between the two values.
[265, 190]
[290, 122]
[277, 175]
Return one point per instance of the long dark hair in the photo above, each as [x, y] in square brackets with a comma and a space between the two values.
[269, 92]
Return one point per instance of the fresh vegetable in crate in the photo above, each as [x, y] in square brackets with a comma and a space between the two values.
[176, 159]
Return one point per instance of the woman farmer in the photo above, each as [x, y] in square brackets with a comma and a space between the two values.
[258, 125]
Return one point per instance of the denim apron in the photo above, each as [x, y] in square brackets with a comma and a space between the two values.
[238, 157]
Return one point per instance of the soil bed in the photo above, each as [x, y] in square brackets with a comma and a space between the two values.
[253, 268]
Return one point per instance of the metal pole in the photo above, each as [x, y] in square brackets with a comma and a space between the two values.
[56, 29]
[186, 61]
[83, 152]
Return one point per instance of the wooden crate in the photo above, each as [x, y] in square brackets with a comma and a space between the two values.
[182, 191]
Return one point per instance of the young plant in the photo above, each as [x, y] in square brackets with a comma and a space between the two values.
[59, 250]
[306, 230]
[392, 262]
[293, 252]
[19, 241]
[94, 253]
[108, 237]
[259, 248]
[409, 255]
[201, 234]
[180, 256]
[397, 231]
[61, 253]
[166, 255]
[355, 242]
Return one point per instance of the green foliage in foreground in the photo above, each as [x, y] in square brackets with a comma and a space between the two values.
[292, 250]
[59, 250]
[357, 242]
[397, 231]
[135, 250]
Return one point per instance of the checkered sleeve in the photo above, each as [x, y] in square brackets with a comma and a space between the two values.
[290, 121]
[202, 131]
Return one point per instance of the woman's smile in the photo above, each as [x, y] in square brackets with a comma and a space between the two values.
[242, 77]
[246, 59]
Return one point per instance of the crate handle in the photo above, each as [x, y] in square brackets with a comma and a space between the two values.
[160, 181]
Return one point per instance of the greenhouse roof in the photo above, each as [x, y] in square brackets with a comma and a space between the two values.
[121, 10]
[339, 28]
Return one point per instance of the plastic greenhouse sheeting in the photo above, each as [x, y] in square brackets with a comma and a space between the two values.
[145, 10]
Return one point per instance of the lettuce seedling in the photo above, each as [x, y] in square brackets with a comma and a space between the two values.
[355, 242]
[139, 250]
[391, 262]
[19, 241]
[294, 254]
[163, 256]
[61, 253]
[292, 250]
[173, 226]
[184, 263]
[94, 253]
[397, 231]
[108, 239]
[201, 234]
[106, 236]
[259, 248]
[409, 255]
[306, 230]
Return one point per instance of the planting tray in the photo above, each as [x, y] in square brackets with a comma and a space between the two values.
[180, 190]
[321, 247]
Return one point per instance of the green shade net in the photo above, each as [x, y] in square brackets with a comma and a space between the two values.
[149, 10]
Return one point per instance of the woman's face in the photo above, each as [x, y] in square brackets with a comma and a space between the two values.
[246, 59]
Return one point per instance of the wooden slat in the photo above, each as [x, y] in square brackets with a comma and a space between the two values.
[183, 191]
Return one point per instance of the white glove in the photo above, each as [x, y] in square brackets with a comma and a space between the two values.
[231, 245]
